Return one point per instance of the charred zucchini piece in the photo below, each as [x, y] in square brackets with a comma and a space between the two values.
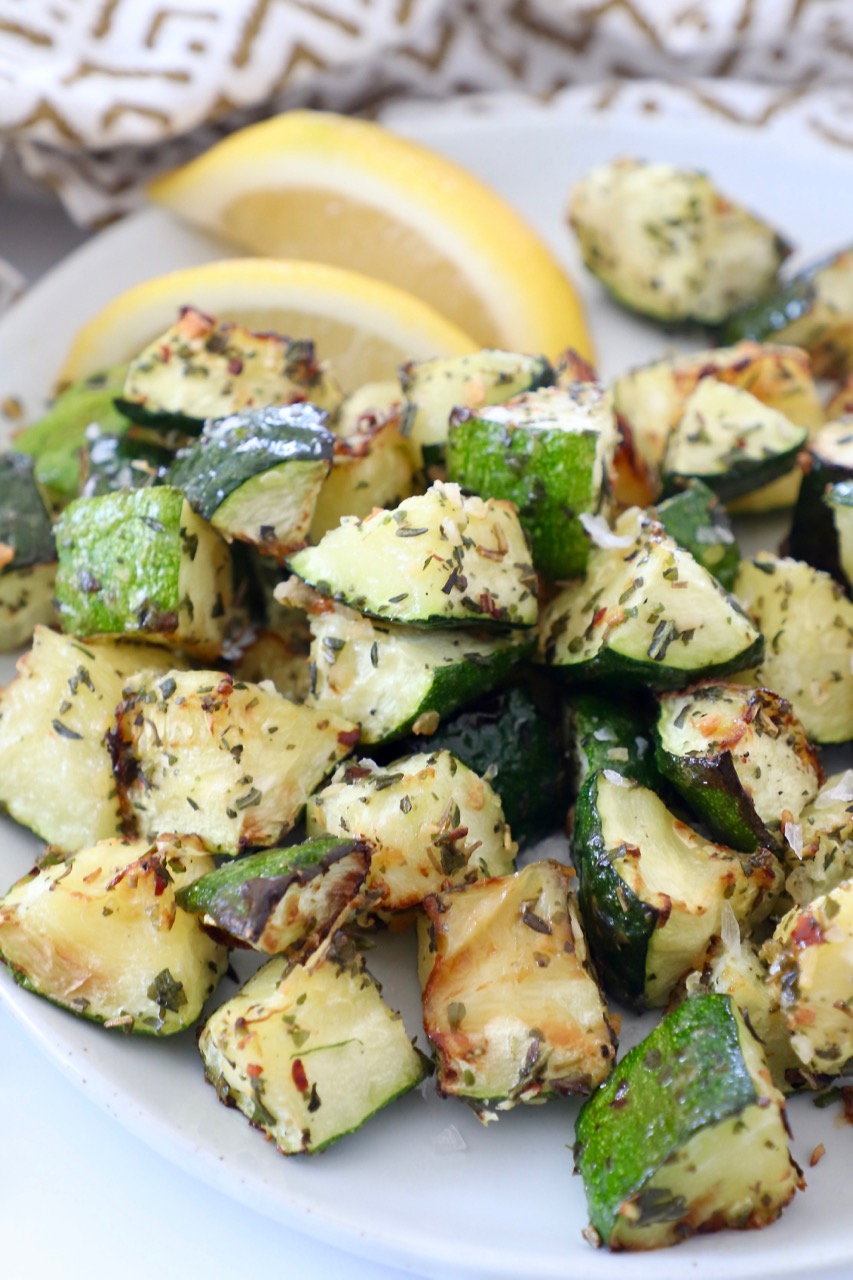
[549, 452]
[142, 564]
[430, 822]
[55, 772]
[204, 368]
[652, 890]
[814, 535]
[230, 762]
[511, 1005]
[697, 520]
[309, 1052]
[280, 901]
[741, 760]
[27, 553]
[371, 467]
[438, 558]
[606, 732]
[136, 459]
[666, 243]
[818, 849]
[647, 614]
[255, 475]
[687, 1135]
[101, 934]
[730, 440]
[808, 625]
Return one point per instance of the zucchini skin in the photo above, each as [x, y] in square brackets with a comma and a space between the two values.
[696, 519]
[714, 792]
[606, 733]
[26, 529]
[813, 536]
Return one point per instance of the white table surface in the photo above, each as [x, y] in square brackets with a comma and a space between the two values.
[79, 1196]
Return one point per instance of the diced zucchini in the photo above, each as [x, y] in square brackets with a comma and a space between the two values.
[666, 243]
[839, 499]
[309, 1052]
[437, 558]
[741, 760]
[280, 901]
[808, 625]
[611, 732]
[204, 368]
[136, 459]
[511, 1006]
[101, 934]
[730, 440]
[55, 771]
[647, 614]
[652, 889]
[697, 520]
[814, 535]
[687, 1135]
[430, 822]
[371, 467]
[27, 553]
[143, 564]
[818, 849]
[365, 408]
[233, 763]
[549, 452]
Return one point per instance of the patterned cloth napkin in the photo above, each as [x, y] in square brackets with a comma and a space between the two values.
[98, 95]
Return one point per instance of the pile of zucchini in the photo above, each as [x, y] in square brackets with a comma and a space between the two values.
[303, 668]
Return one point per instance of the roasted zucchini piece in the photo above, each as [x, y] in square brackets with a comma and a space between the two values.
[27, 553]
[549, 452]
[647, 614]
[839, 499]
[369, 405]
[101, 934]
[814, 535]
[204, 368]
[230, 762]
[687, 1135]
[808, 625]
[697, 520]
[142, 564]
[371, 467]
[818, 849]
[430, 822]
[55, 772]
[280, 901]
[438, 558]
[613, 733]
[511, 1005]
[309, 1052]
[652, 890]
[666, 243]
[136, 459]
[256, 475]
[741, 760]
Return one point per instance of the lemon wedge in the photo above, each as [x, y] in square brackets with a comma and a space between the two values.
[329, 188]
[363, 327]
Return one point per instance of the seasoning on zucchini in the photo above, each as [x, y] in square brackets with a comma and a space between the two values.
[308, 1052]
[687, 1135]
[27, 553]
[668, 244]
[646, 613]
[652, 889]
[101, 935]
[815, 535]
[371, 467]
[511, 1005]
[818, 849]
[549, 452]
[430, 822]
[697, 520]
[740, 758]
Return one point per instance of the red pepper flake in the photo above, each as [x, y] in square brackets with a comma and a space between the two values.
[299, 1077]
[599, 616]
[254, 1070]
[817, 1155]
[349, 737]
[165, 352]
[807, 932]
[235, 366]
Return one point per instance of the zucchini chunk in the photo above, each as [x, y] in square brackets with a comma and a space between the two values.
[809, 628]
[652, 890]
[256, 475]
[230, 762]
[204, 368]
[741, 760]
[511, 1005]
[549, 452]
[27, 553]
[280, 901]
[392, 680]
[812, 309]
[363, 409]
[142, 564]
[606, 732]
[430, 822]
[810, 964]
[135, 459]
[371, 467]
[308, 1052]
[839, 499]
[818, 849]
[101, 934]
[667, 244]
[730, 440]
[697, 520]
[687, 1135]
[815, 535]
[433, 388]
[647, 614]
[437, 558]
[56, 776]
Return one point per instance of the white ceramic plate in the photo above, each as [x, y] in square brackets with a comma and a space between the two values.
[424, 1185]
